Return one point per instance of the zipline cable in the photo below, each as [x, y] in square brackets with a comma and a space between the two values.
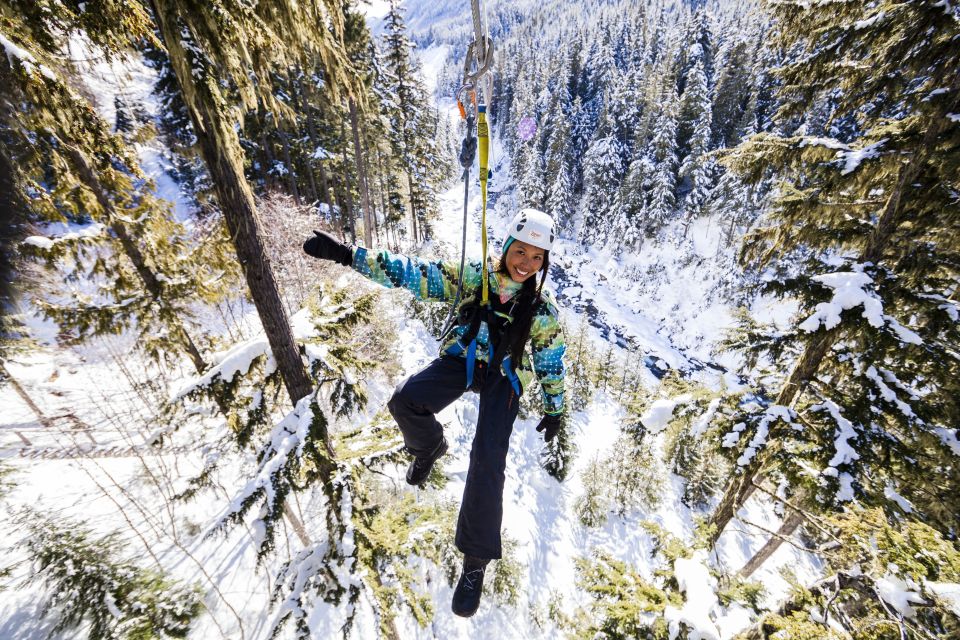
[476, 75]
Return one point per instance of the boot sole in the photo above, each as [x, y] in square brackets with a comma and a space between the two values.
[464, 614]
[443, 450]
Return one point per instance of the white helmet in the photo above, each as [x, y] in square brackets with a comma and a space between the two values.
[531, 226]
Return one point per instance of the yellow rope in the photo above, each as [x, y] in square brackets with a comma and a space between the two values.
[483, 142]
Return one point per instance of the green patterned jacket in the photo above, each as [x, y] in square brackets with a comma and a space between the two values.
[437, 281]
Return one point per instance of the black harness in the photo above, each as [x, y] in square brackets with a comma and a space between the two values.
[501, 327]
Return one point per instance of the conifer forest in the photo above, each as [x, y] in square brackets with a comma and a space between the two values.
[754, 266]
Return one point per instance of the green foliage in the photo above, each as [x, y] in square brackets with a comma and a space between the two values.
[692, 443]
[736, 589]
[605, 370]
[593, 505]
[797, 626]
[580, 362]
[431, 314]
[507, 574]
[7, 483]
[629, 477]
[339, 350]
[624, 605]
[873, 543]
[866, 557]
[665, 543]
[88, 585]
[146, 270]
[866, 164]
[336, 320]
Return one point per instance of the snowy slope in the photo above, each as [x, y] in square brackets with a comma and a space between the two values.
[665, 302]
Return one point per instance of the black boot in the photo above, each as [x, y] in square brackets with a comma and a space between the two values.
[466, 598]
[419, 469]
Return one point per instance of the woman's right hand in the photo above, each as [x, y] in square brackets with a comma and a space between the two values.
[324, 246]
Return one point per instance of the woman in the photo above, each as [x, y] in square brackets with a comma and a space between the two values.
[484, 353]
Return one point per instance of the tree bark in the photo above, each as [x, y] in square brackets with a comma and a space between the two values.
[347, 215]
[221, 151]
[361, 176]
[790, 524]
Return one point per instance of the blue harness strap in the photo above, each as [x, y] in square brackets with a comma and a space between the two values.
[511, 375]
[471, 361]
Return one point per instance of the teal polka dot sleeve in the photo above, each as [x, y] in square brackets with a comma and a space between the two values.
[427, 280]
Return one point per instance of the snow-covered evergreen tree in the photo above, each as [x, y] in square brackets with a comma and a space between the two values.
[663, 158]
[602, 172]
[860, 234]
[90, 585]
[694, 129]
[413, 124]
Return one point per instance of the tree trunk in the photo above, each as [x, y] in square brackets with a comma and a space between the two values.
[220, 148]
[266, 148]
[347, 216]
[812, 357]
[149, 279]
[41, 417]
[790, 524]
[361, 177]
[384, 199]
[299, 105]
[296, 524]
[413, 211]
[372, 190]
[324, 194]
[291, 169]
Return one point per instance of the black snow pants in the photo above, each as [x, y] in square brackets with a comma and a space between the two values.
[424, 394]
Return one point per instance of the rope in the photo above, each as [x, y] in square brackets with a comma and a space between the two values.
[468, 150]
[483, 139]
[476, 73]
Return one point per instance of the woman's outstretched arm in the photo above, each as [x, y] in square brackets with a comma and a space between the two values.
[434, 280]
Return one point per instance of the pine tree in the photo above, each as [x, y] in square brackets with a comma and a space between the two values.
[664, 160]
[733, 88]
[532, 193]
[862, 229]
[696, 167]
[146, 270]
[89, 586]
[559, 193]
[413, 124]
[201, 46]
[602, 173]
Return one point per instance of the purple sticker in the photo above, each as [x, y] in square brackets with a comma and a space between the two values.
[527, 128]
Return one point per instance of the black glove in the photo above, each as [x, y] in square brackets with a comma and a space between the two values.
[550, 425]
[326, 247]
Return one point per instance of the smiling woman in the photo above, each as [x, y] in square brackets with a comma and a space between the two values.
[523, 260]
[485, 353]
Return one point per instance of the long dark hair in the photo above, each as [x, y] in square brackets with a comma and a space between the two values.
[518, 331]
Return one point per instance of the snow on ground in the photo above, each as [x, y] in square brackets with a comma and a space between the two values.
[664, 301]
[431, 60]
